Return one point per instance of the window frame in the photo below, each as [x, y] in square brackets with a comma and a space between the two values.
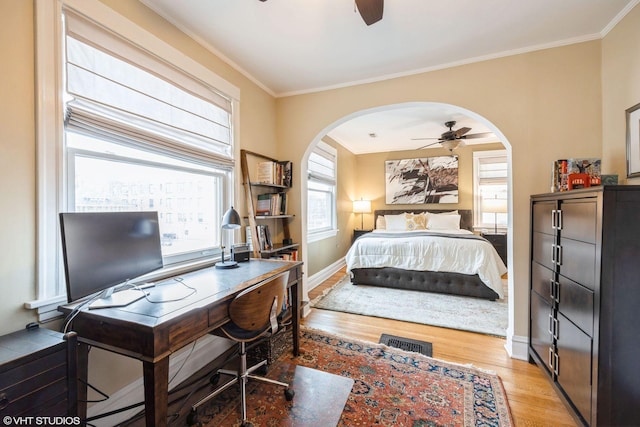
[51, 171]
[330, 153]
[477, 201]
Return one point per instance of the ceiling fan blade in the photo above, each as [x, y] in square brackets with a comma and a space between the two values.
[478, 135]
[370, 10]
[429, 145]
[459, 132]
[422, 139]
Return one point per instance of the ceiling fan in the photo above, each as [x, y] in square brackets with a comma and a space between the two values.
[453, 139]
[370, 10]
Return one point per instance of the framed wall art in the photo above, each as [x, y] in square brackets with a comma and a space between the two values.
[421, 181]
[633, 141]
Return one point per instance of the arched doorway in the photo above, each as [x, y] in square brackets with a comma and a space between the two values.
[440, 112]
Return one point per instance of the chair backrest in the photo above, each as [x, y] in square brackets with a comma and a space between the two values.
[251, 309]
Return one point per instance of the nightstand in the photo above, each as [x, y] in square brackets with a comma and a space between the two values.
[358, 233]
[499, 241]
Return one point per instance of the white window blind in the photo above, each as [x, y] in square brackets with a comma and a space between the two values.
[322, 163]
[142, 90]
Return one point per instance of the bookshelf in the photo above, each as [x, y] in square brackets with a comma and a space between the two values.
[267, 205]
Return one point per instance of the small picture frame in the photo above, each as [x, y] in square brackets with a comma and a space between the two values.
[633, 141]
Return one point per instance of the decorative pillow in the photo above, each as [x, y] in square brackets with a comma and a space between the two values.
[416, 221]
[444, 222]
[396, 222]
[381, 223]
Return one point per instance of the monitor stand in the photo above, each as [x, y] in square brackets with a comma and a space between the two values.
[109, 298]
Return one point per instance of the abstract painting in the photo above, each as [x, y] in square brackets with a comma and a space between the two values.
[421, 181]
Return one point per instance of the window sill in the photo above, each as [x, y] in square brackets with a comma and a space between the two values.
[321, 235]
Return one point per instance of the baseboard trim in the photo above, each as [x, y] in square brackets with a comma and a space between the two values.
[324, 274]
[320, 277]
[205, 351]
[517, 347]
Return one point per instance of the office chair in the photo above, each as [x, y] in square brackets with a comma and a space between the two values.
[253, 314]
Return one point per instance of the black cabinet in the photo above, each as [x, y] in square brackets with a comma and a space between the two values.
[38, 374]
[584, 297]
[499, 242]
[358, 233]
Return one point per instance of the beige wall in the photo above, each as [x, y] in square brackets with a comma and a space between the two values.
[546, 103]
[620, 91]
[17, 164]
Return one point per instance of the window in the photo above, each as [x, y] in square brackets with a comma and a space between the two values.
[490, 170]
[321, 192]
[139, 126]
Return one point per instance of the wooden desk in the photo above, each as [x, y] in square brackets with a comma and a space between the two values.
[152, 332]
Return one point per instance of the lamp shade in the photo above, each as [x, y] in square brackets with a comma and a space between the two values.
[494, 205]
[362, 206]
[231, 219]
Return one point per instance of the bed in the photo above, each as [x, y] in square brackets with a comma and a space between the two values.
[432, 250]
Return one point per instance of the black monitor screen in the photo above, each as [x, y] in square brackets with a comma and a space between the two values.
[105, 249]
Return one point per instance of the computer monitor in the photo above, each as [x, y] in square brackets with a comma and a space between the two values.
[103, 250]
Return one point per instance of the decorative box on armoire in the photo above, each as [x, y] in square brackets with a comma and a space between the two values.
[584, 301]
[38, 374]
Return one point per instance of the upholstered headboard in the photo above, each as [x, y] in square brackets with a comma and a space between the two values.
[466, 215]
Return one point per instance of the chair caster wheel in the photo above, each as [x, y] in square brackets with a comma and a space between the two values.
[215, 378]
[246, 424]
[192, 418]
[288, 394]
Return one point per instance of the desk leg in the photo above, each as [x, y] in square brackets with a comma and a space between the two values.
[297, 292]
[156, 388]
[83, 377]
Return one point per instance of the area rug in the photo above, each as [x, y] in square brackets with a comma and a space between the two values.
[449, 311]
[391, 388]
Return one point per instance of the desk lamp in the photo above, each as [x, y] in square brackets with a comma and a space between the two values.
[230, 221]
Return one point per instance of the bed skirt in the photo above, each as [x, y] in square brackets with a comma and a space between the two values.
[429, 281]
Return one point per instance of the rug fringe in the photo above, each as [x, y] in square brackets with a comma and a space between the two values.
[319, 298]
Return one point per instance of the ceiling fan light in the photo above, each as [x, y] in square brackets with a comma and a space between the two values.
[451, 145]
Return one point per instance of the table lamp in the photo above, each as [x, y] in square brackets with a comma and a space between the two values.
[494, 206]
[230, 221]
[362, 207]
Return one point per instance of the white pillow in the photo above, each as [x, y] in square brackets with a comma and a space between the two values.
[396, 222]
[444, 213]
[444, 222]
[380, 223]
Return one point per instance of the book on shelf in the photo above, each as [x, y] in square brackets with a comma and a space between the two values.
[271, 204]
[263, 206]
[264, 237]
[288, 255]
[248, 238]
[275, 173]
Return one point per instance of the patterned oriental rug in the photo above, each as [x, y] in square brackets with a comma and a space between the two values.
[427, 308]
[391, 387]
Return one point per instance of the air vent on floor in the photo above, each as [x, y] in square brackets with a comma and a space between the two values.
[407, 344]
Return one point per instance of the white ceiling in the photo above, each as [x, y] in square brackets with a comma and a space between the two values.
[298, 46]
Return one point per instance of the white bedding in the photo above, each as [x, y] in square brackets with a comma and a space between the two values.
[429, 252]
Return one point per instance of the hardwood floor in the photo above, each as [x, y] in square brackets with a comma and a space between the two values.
[531, 397]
